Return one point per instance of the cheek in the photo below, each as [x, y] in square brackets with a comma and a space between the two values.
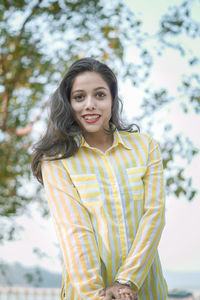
[110, 110]
[75, 107]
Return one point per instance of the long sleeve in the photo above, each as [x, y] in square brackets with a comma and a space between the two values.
[74, 230]
[144, 248]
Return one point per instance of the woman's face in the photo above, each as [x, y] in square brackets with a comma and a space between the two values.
[91, 102]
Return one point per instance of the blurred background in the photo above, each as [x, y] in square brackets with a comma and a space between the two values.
[153, 47]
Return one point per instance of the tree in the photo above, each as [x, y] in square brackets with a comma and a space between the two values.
[177, 30]
[39, 40]
[178, 27]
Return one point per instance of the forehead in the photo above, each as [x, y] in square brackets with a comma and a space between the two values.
[89, 80]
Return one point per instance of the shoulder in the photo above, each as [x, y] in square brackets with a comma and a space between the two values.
[51, 163]
[55, 172]
[135, 136]
[142, 141]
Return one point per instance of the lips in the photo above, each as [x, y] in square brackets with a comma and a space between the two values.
[91, 118]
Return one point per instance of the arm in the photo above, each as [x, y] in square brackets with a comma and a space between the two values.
[74, 230]
[144, 248]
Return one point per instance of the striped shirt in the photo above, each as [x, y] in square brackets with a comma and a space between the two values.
[108, 210]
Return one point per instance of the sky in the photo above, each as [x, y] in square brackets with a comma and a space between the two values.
[180, 243]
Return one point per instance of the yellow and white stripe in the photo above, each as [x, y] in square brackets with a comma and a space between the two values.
[108, 210]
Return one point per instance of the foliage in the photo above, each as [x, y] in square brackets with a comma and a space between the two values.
[39, 40]
[178, 29]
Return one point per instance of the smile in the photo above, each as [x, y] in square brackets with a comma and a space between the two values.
[91, 118]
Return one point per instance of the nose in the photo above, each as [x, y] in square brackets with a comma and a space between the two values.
[90, 103]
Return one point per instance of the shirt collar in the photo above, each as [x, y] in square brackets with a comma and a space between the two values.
[118, 139]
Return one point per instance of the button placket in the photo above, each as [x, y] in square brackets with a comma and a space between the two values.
[119, 208]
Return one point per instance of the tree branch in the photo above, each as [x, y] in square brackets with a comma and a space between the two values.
[22, 131]
[29, 17]
[4, 110]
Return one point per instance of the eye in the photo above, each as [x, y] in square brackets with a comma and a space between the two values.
[78, 97]
[100, 95]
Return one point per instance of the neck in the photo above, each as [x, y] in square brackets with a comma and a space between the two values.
[99, 141]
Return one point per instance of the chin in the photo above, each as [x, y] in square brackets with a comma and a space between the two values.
[91, 128]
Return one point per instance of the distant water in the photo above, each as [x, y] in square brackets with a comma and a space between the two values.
[183, 280]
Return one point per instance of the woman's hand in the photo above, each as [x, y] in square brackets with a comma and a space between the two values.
[119, 292]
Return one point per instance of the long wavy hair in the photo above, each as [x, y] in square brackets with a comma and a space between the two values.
[58, 141]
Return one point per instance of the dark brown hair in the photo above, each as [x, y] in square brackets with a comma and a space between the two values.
[62, 127]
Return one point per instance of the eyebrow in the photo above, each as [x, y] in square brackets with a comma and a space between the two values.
[98, 88]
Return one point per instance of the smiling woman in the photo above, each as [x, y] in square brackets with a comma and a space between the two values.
[104, 185]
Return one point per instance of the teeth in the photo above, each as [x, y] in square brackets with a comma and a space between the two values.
[91, 117]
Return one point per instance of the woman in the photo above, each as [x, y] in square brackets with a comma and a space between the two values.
[104, 185]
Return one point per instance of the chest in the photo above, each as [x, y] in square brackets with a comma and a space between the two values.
[102, 179]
